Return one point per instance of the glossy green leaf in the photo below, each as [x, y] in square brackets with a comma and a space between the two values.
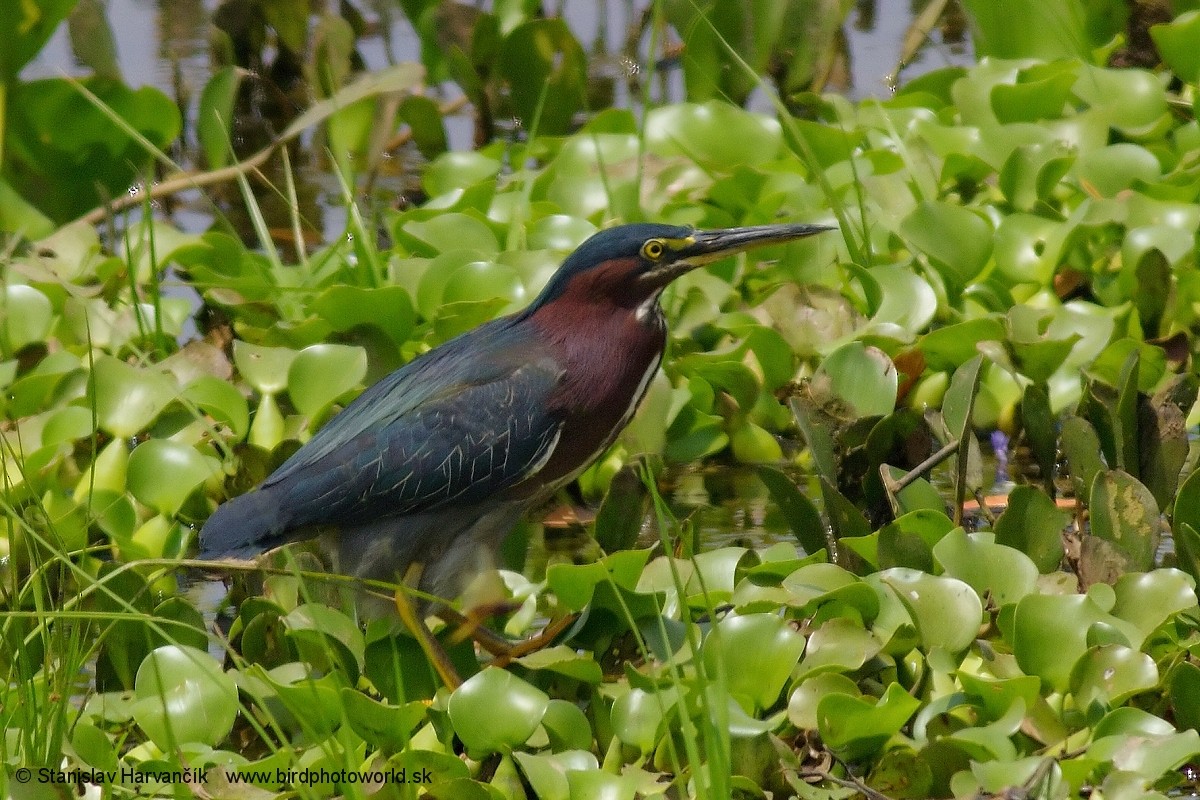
[216, 115]
[1176, 43]
[1125, 514]
[321, 373]
[25, 317]
[957, 241]
[756, 653]
[802, 706]
[152, 461]
[494, 711]
[128, 399]
[855, 728]
[183, 697]
[547, 73]
[946, 611]
[861, 376]
[801, 514]
[1000, 573]
[1032, 524]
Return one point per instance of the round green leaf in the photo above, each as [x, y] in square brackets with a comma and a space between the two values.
[26, 314]
[855, 728]
[128, 399]
[221, 400]
[321, 373]
[183, 697]
[637, 717]
[1050, 634]
[802, 706]
[162, 473]
[494, 711]
[862, 376]
[1005, 574]
[713, 133]
[264, 368]
[757, 652]
[1111, 674]
[947, 612]
[957, 240]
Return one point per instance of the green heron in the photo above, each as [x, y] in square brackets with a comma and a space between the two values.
[434, 464]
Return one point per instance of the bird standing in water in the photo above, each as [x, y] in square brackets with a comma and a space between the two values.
[433, 465]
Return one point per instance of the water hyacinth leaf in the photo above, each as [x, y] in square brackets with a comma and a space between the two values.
[1045, 33]
[424, 119]
[25, 317]
[637, 718]
[845, 518]
[328, 622]
[1032, 524]
[1027, 246]
[948, 347]
[494, 711]
[127, 399]
[1148, 599]
[1081, 445]
[818, 430]
[907, 299]
[1110, 674]
[184, 697]
[1117, 168]
[264, 368]
[1187, 548]
[1038, 420]
[1033, 100]
[1184, 693]
[389, 308]
[385, 726]
[1176, 44]
[214, 120]
[1003, 574]
[547, 773]
[800, 513]
[902, 774]
[546, 70]
[946, 611]
[956, 240]
[1050, 634]
[153, 460]
[221, 401]
[802, 705]
[482, 281]
[1113, 411]
[623, 510]
[713, 133]
[1125, 514]
[839, 645]
[908, 541]
[957, 408]
[757, 653]
[997, 695]
[321, 373]
[566, 726]
[861, 376]
[1162, 445]
[813, 585]
[446, 232]
[855, 728]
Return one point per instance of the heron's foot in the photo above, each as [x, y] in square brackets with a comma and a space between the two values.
[470, 625]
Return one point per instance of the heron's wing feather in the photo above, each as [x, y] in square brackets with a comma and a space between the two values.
[458, 446]
[454, 426]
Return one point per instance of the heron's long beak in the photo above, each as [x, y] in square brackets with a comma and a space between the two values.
[705, 247]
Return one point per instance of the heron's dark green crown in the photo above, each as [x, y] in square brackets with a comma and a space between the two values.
[619, 243]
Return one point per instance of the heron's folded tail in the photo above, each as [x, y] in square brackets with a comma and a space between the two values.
[243, 527]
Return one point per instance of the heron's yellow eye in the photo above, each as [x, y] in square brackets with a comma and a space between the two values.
[653, 250]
